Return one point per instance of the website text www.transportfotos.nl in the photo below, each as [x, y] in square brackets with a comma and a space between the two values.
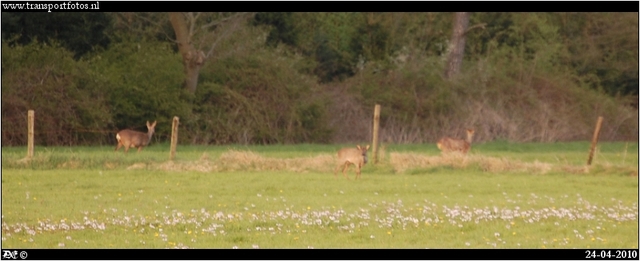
[64, 6]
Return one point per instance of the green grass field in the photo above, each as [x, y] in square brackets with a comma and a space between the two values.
[502, 195]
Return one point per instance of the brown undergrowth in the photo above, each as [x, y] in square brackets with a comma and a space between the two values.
[402, 162]
[399, 162]
[234, 160]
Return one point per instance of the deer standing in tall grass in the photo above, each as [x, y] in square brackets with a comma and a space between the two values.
[347, 156]
[447, 144]
[133, 139]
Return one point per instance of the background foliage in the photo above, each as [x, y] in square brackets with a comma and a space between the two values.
[315, 77]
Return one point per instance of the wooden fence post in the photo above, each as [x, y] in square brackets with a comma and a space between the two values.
[594, 141]
[174, 137]
[30, 119]
[376, 127]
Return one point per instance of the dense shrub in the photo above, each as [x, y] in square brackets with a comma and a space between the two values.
[503, 99]
[258, 98]
[45, 78]
[142, 82]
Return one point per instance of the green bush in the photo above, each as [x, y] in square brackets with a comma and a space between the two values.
[142, 81]
[257, 98]
[45, 78]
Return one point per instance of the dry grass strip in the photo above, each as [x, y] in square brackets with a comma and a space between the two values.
[404, 161]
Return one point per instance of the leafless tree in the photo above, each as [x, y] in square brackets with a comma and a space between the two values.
[456, 47]
[197, 35]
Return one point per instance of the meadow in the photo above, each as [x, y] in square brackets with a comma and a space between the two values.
[501, 195]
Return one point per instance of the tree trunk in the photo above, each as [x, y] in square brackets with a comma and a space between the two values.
[456, 47]
[192, 59]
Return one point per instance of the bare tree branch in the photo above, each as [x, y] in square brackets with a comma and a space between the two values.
[482, 26]
[191, 39]
[227, 31]
[192, 24]
[158, 26]
[220, 21]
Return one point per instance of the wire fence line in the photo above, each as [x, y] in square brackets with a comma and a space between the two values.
[32, 133]
[48, 137]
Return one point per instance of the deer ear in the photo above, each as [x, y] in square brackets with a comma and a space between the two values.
[358, 146]
[154, 123]
[367, 147]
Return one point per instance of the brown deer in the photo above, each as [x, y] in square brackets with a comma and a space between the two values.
[347, 156]
[133, 139]
[447, 144]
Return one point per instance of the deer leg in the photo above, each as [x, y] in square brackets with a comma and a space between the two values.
[358, 167]
[118, 146]
[139, 148]
[344, 170]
